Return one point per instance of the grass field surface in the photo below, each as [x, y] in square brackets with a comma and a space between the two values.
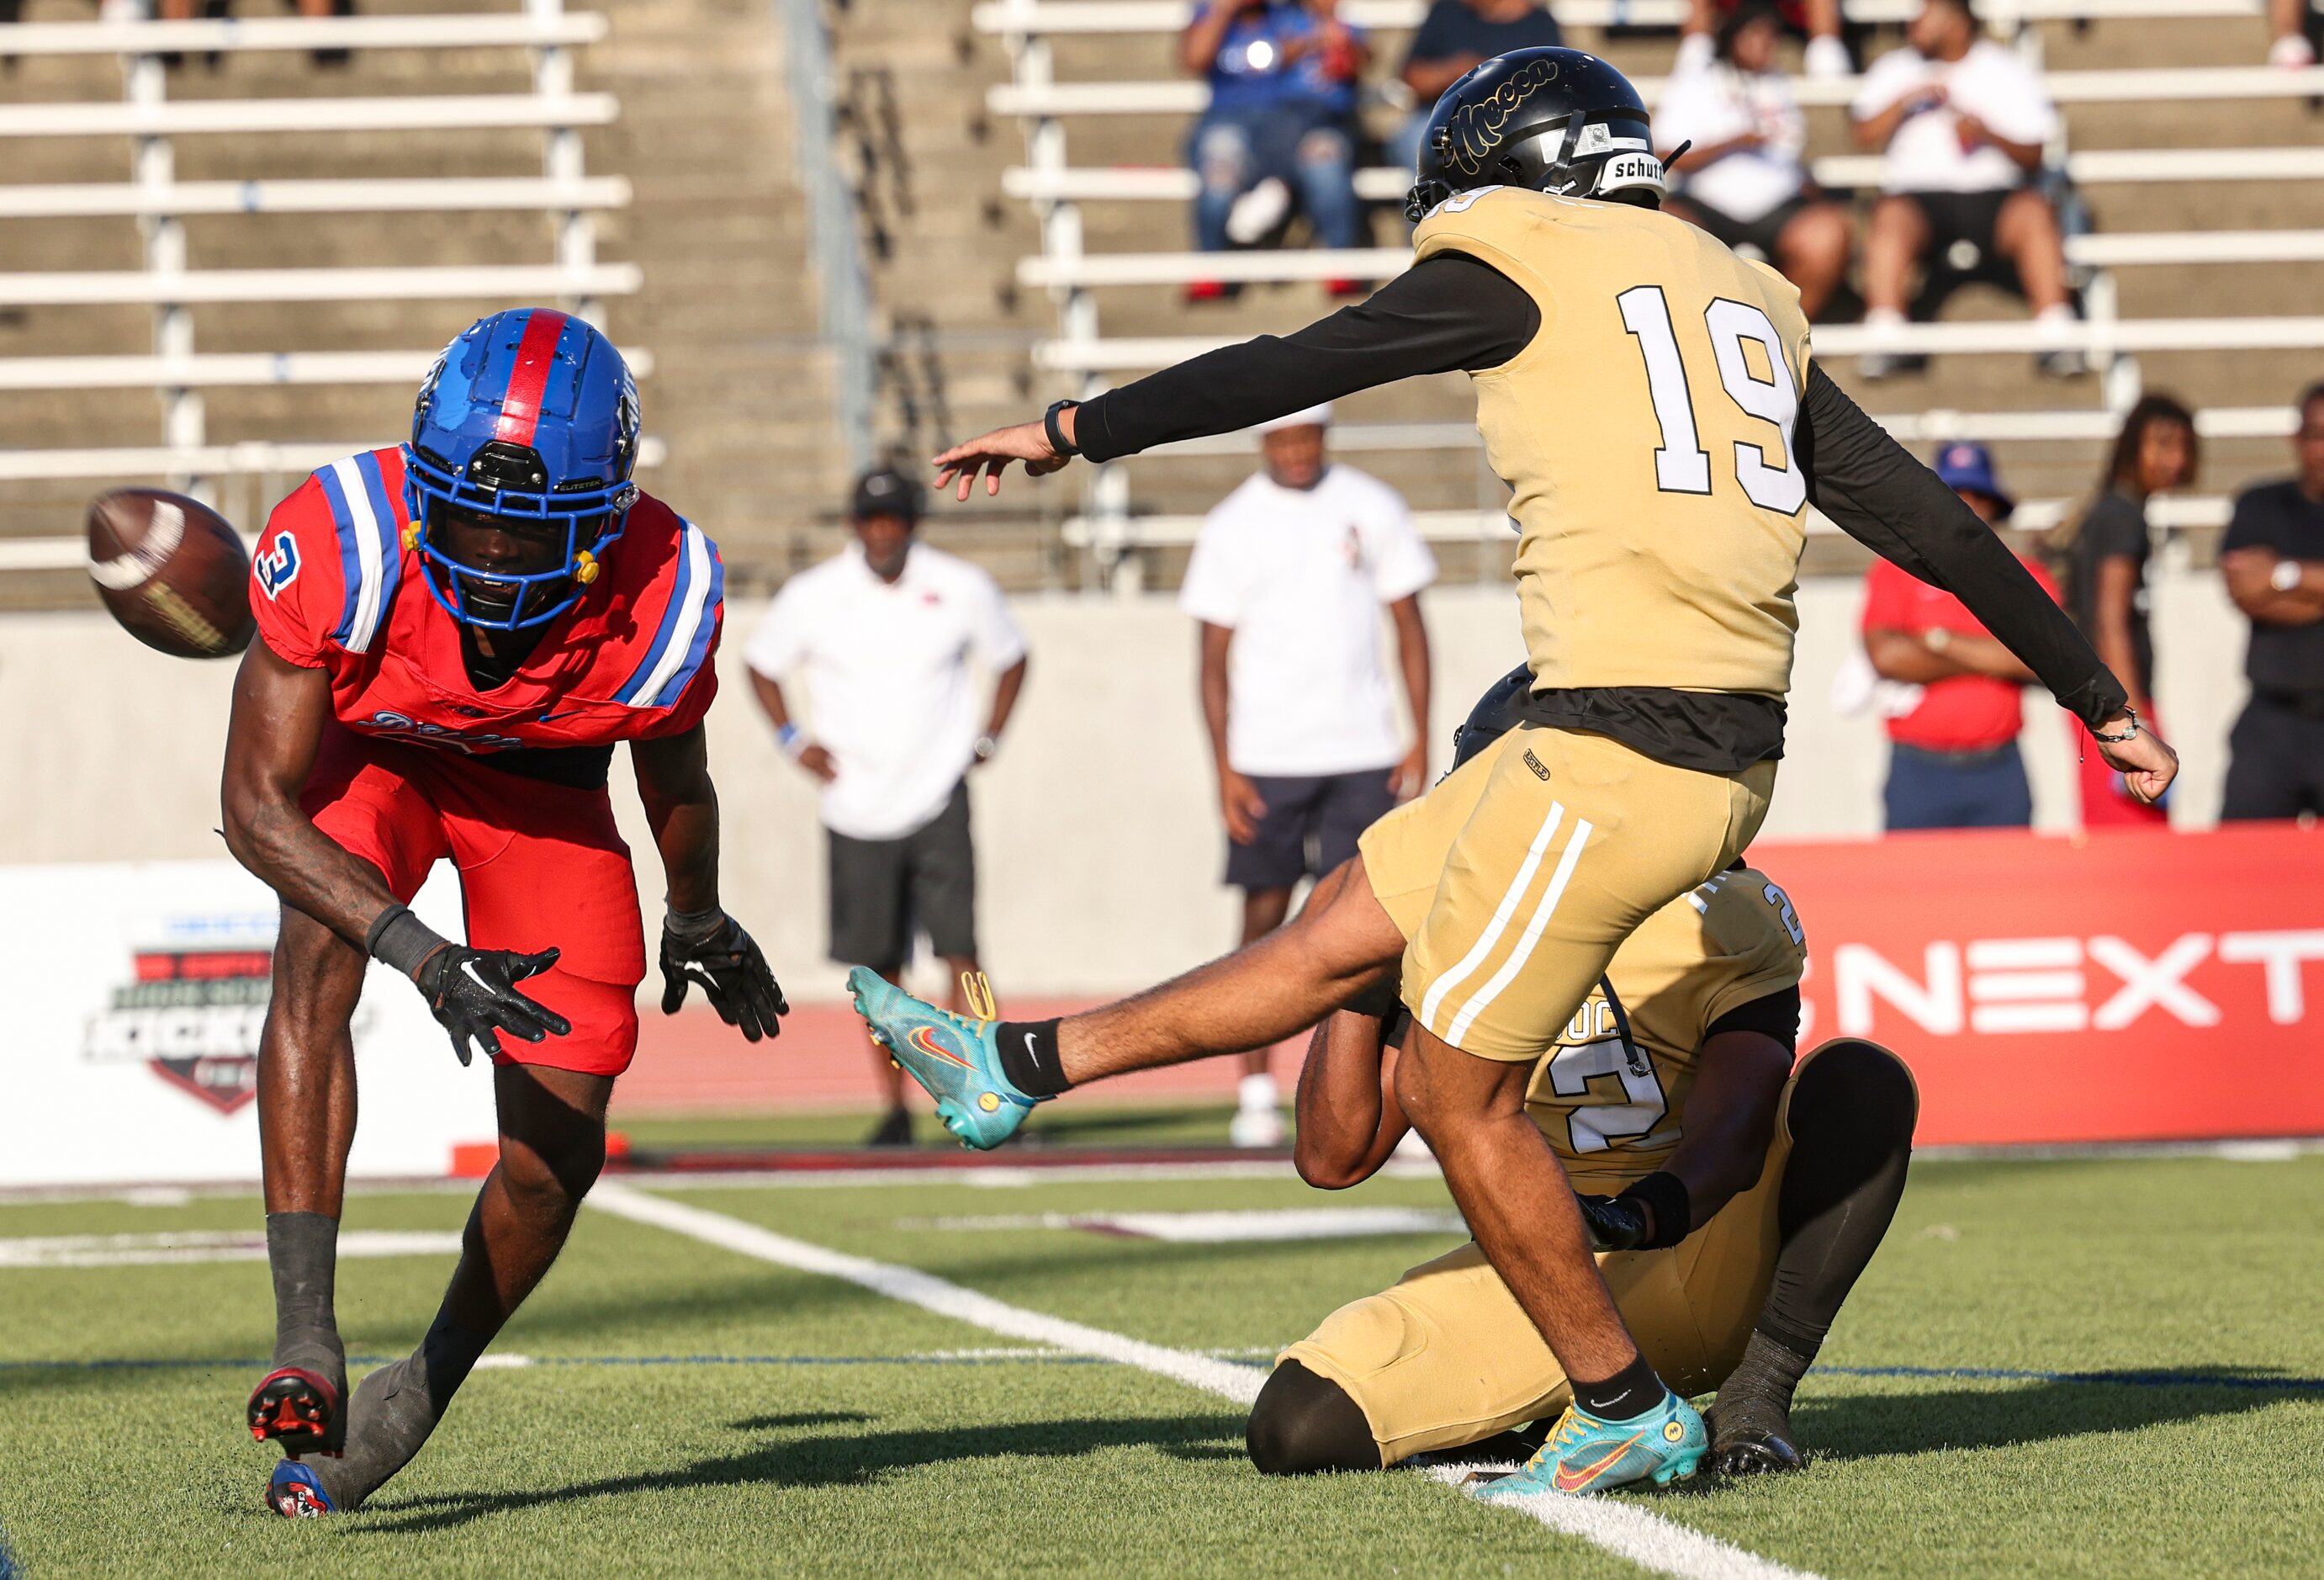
[2101, 1367]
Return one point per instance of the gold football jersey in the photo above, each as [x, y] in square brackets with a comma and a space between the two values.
[1645, 435]
[1614, 1110]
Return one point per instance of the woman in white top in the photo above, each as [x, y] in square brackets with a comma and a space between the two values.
[1743, 177]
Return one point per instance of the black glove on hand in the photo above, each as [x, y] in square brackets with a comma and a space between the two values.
[471, 993]
[1614, 1223]
[733, 975]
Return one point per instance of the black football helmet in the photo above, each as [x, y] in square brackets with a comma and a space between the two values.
[1556, 121]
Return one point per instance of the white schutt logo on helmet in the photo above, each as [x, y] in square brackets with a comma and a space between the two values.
[1630, 169]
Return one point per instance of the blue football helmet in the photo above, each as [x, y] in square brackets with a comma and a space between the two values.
[530, 415]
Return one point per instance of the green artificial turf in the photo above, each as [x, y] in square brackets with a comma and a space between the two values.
[688, 1410]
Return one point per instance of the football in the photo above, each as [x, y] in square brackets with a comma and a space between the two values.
[172, 570]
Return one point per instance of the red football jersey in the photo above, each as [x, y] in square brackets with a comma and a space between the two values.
[333, 589]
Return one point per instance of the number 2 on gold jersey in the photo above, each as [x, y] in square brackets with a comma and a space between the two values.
[1682, 465]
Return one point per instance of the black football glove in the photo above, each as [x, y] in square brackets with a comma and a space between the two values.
[1614, 1223]
[733, 975]
[471, 993]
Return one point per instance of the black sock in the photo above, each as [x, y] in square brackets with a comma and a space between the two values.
[302, 1251]
[1029, 1056]
[1851, 1116]
[1756, 1397]
[448, 1353]
[1632, 1391]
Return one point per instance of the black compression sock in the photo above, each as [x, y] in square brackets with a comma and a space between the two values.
[302, 1251]
[1756, 1396]
[1632, 1391]
[447, 1354]
[1029, 1056]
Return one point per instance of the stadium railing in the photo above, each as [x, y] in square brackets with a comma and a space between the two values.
[563, 192]
[1032, 18]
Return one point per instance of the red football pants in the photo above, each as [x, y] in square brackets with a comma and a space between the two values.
[539, 864]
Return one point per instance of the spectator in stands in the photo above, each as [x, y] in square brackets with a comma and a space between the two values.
[2101, 560]
[883, 635]
[1287, 584]
[1453, 39]
[1963, 122]
[1283, 108]
[1742, 179]
[1953, 761]
[2272, 558]
[1816, 20]
[2293, 24]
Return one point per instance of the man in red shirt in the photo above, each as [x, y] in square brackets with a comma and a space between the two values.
[1953, 760]
[456, 634]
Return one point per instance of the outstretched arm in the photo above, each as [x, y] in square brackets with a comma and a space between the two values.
[1871, 486]
[1446, 313]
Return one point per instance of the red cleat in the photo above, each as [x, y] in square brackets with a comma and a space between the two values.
[297, 1408]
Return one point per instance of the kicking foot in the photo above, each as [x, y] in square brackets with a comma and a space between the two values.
[1586, 1455]
[952, 1057]
[1752, 1439]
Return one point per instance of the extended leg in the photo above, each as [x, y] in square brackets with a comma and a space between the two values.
[1853, 1107]
[552, 1145]
[306, 1123]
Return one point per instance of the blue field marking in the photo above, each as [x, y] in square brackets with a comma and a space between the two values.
[1064, 1358]
[2093, 1378]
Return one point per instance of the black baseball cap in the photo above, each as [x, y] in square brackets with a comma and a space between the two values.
[883, 491]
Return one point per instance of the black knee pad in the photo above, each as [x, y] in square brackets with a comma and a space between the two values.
[1855, 1094]
[1303, 1423]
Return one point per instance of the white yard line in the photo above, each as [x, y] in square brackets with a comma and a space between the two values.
[188, 1245]
[1624, 1530]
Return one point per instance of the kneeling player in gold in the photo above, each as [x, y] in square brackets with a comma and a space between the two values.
[1734, 1200]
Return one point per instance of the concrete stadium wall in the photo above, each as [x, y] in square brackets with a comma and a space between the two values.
[1099, 841]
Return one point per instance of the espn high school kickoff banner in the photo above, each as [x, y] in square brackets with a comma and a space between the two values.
[2123, 986]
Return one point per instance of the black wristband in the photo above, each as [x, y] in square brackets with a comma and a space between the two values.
[693, 926]
[396, 938]
[1056, 430]
[1665, 1195]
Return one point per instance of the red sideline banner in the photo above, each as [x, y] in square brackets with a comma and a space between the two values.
[2125, 986]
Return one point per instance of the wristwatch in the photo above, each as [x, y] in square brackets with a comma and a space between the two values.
[985, 747]
[1936, 639]
[1056, 431]
[2285, 576]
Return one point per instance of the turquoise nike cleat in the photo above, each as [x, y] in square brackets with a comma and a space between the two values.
[1586, 1454]
[954, 1057]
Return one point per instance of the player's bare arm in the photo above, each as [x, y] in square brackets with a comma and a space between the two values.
[1350, 1120]
[280, 713]
[701, 945]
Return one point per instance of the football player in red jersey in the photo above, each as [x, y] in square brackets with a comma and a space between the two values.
[456, 634]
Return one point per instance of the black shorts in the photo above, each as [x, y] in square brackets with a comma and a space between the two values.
[1954, 217]
[882, 891]
[1760, 233]
[1311, 826]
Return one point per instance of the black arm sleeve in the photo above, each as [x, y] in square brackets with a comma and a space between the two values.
[1891, 504]
[1777, 1016]
[1444, 315]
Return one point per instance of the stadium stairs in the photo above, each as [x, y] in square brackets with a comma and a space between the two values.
[738, 391]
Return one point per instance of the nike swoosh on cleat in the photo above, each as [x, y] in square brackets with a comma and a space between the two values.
[921, 1039]
[1565, 1482]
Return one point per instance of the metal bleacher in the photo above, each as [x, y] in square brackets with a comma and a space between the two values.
[2187, 275]
[296, 297]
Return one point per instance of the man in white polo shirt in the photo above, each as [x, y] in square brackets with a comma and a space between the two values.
[883, 635]
[1963, 122]
[1287, 580]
